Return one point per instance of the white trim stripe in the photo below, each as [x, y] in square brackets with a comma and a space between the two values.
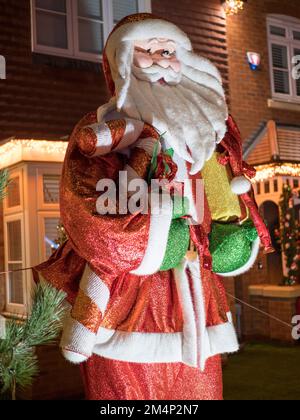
[223, 339]
[77, 339]
[138, 347]
[189, 345]
[133, 131]
[141, 347]
[104, 139]
[94, 288]
[160, 223]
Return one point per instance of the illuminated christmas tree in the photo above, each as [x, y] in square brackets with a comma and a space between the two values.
[289, 234]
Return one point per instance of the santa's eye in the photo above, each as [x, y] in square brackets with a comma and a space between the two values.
[167, 53]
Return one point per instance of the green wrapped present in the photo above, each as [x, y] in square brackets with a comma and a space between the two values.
[231, 246]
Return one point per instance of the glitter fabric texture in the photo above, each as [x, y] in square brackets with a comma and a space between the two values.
[140, 162]
[231, 246]
[113, 380]
[178, 244]
[86, 312]
[223, 204]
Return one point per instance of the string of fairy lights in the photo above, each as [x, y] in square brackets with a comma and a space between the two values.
[232, 7]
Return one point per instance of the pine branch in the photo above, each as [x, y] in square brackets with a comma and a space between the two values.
[18, 362]
[3, 183]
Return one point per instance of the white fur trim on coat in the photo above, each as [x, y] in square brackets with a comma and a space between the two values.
[160, 223]
[141, 347]
[223, 338]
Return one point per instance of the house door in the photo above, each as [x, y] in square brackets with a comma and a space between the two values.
[270, 212]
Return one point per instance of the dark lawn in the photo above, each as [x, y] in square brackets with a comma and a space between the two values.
[263, 372]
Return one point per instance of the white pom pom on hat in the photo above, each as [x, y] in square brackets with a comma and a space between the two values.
[240, 185]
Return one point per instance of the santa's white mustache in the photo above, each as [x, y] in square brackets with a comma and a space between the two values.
[155, 73]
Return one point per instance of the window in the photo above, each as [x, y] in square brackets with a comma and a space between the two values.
[78, 28]
[51, 235]
[51, 188]
[258, 188]
[267, 187]
[14, 262]
[13, 193]
[276, 185]
[296, 183]
[284, 44]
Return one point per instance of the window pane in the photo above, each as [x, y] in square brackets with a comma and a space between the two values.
[51, 30]
[90, 9]
[281, 82]
[16, 287]
[277, 30]
[267, 187]
[13, 193]
[275, 185]
[122, 8]
[280, 56]
[51, 189]
[90, 36]
[55, 5]
[51, 234]
[14, 241]
[296, 35]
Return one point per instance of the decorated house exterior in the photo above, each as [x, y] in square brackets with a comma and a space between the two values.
[265, 100]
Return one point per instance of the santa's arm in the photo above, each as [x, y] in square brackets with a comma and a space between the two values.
[99, 139]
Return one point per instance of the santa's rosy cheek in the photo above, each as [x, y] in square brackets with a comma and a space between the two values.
[142, 60]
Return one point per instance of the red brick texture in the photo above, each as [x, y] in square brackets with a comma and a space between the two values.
[261, 326]
[250, 91]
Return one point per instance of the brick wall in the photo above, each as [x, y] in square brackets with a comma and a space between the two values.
[261, 326]
[204, 21]
[39, 100]
[249, 91]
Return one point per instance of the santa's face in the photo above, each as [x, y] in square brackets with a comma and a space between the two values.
[155, 60]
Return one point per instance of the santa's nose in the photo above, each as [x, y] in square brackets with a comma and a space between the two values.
[167, 62]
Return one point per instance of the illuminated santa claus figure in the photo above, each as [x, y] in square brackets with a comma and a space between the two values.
[148, 313]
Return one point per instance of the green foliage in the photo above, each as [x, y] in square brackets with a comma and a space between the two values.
[3, 183]
[18, 362]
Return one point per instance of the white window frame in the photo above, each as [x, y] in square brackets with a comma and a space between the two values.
[15, 209]
[72, 30]
[290, 25]
[15, 308]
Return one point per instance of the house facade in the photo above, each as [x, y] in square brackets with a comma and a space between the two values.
[266, 105]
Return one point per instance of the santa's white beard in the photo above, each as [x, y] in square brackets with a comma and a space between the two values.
[191, 117]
